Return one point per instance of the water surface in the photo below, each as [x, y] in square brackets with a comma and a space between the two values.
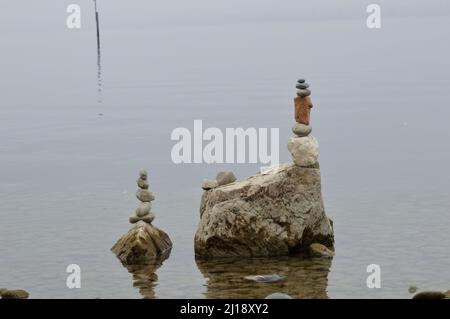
[69, 156]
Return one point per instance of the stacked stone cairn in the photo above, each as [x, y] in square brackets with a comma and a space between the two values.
[143, 194]
[144, 243]
[303, 146]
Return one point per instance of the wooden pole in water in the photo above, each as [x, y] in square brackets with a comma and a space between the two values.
[98, 25]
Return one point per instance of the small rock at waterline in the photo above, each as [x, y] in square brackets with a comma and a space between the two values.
[319, 250]
[142, 183]
[302, 86]
[143, 209]
[303, 92]
[412, 289]
[301, 130]
[145, 196]
[278, 295]
[301, 81]
[208, 184]
[143, 174]
[224, 178]
[430, 295]
[265, 278]
[15, 294]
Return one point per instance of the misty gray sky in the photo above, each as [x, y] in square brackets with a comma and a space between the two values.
[197, 12]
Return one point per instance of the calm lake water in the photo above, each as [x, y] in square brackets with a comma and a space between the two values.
[69, 154]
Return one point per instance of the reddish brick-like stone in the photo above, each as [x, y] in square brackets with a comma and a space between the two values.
[303, 107]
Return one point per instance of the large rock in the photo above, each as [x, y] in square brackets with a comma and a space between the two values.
[278, 213]
[304, 150]
[142, 245]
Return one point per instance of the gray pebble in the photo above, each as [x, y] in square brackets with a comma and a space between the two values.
[145, 196]
[266, 278]
[142, 183]
[301, 81]
[147, 218]
[304, 93]
[224, 178]
[301, 130]
[143, 209]
[412, 289]
[302, 86]
[143, 174]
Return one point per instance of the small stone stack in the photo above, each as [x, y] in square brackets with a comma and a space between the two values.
[222, 178]
[303, 146]
[143, 243]
[143, 212]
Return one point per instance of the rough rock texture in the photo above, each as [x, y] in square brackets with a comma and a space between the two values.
[14, 294]
[277, 213]
[303, 107]
[304, 150]
[142, 244]
[319, 250]
[209, 184]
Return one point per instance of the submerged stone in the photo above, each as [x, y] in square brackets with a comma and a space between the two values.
[142, 244]
[265, 278]
[278, 295]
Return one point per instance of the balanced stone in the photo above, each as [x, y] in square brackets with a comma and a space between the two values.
[303, 92]
[208, 184]
[302, 86]
[304, 150]
[143, 209]
[145, 196]
[224, 178]
[143, 174]
[301, 130]
[142, 183]
[142, 244]
[301, 81]
[303, 107]
[147, 218]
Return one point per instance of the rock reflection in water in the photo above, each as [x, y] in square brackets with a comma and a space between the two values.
[145, 278]
[305, 278]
